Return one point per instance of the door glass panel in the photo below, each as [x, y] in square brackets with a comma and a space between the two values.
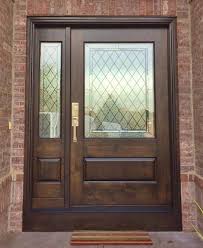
[50, 87]
[119, 90]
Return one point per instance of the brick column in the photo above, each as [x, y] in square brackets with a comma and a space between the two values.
[197, 74]
[6, 43]
[18, 111]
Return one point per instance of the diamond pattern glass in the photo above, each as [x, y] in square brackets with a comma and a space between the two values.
[50, 87]
[119, 90]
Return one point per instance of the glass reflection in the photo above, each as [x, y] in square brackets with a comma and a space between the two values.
[119, 90]
[50, 87]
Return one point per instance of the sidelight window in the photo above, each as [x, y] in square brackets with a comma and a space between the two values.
[50, 88]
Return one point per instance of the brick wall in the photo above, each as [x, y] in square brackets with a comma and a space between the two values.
[6, 38]
[187, 159]
[18, 96]
[197, 69]
[5, 191]
[181, 8]
[101, 7]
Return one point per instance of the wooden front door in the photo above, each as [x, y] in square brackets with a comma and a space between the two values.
[101, 125]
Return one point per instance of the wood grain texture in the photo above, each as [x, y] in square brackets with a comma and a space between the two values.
[96, 205]
[48, 153]
[109, 238]
[49, 170]
[118, 192]
[119, 169]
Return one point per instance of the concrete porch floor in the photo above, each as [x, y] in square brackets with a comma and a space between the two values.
[61, 240]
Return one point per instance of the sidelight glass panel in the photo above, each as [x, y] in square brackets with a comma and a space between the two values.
[50, 88]
[119, 90]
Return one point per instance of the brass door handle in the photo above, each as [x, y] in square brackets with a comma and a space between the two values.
[75, 125]
[75, 119]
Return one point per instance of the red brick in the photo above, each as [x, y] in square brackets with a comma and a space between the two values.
[197, 59]
[108, 7]
[5, 192]
[6, 38]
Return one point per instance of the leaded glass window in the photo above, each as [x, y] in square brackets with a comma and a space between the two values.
[119, 90]
[50, 87]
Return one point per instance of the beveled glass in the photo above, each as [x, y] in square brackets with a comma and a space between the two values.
[50, 88]
[119, 90]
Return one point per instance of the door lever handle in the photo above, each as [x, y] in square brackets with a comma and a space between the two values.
[75, 119]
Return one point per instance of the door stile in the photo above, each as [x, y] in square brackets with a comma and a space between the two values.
[77, 90]
[67, 116]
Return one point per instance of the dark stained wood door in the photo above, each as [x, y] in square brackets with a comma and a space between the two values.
[101, 152]
[122, 155]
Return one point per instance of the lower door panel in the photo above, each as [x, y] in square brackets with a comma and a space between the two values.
[101, 125]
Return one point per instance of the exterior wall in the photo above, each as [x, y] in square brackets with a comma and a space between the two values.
[199, 199]
[197, 69]
[5, 191]
[181, 8]
[6, 38]
[187, 158]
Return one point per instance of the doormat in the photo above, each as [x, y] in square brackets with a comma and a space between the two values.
[110, 238]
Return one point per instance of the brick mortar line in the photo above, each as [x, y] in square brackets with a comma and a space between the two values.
[11, 117]
[15, 174]
[12, 90]
[199, 182]
[192, 173]
[5, 177]
[191, 87]
[5, 210]
[199, 177]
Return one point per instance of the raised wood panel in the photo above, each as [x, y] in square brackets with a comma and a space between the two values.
[47, 202]
[48, 190]
[119, 169]
[49, 169]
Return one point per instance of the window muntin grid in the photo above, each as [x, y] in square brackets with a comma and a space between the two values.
[119, 90]
[50, 90]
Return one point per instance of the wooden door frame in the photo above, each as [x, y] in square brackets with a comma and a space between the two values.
[98, 22]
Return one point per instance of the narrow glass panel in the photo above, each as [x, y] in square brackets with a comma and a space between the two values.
[50, 87]
[119, 90]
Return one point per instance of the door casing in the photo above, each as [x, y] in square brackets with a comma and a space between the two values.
[40, 219]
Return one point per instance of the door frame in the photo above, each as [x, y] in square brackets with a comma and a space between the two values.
[30, 216]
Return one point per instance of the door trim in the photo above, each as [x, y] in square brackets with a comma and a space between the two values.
[30, 215]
